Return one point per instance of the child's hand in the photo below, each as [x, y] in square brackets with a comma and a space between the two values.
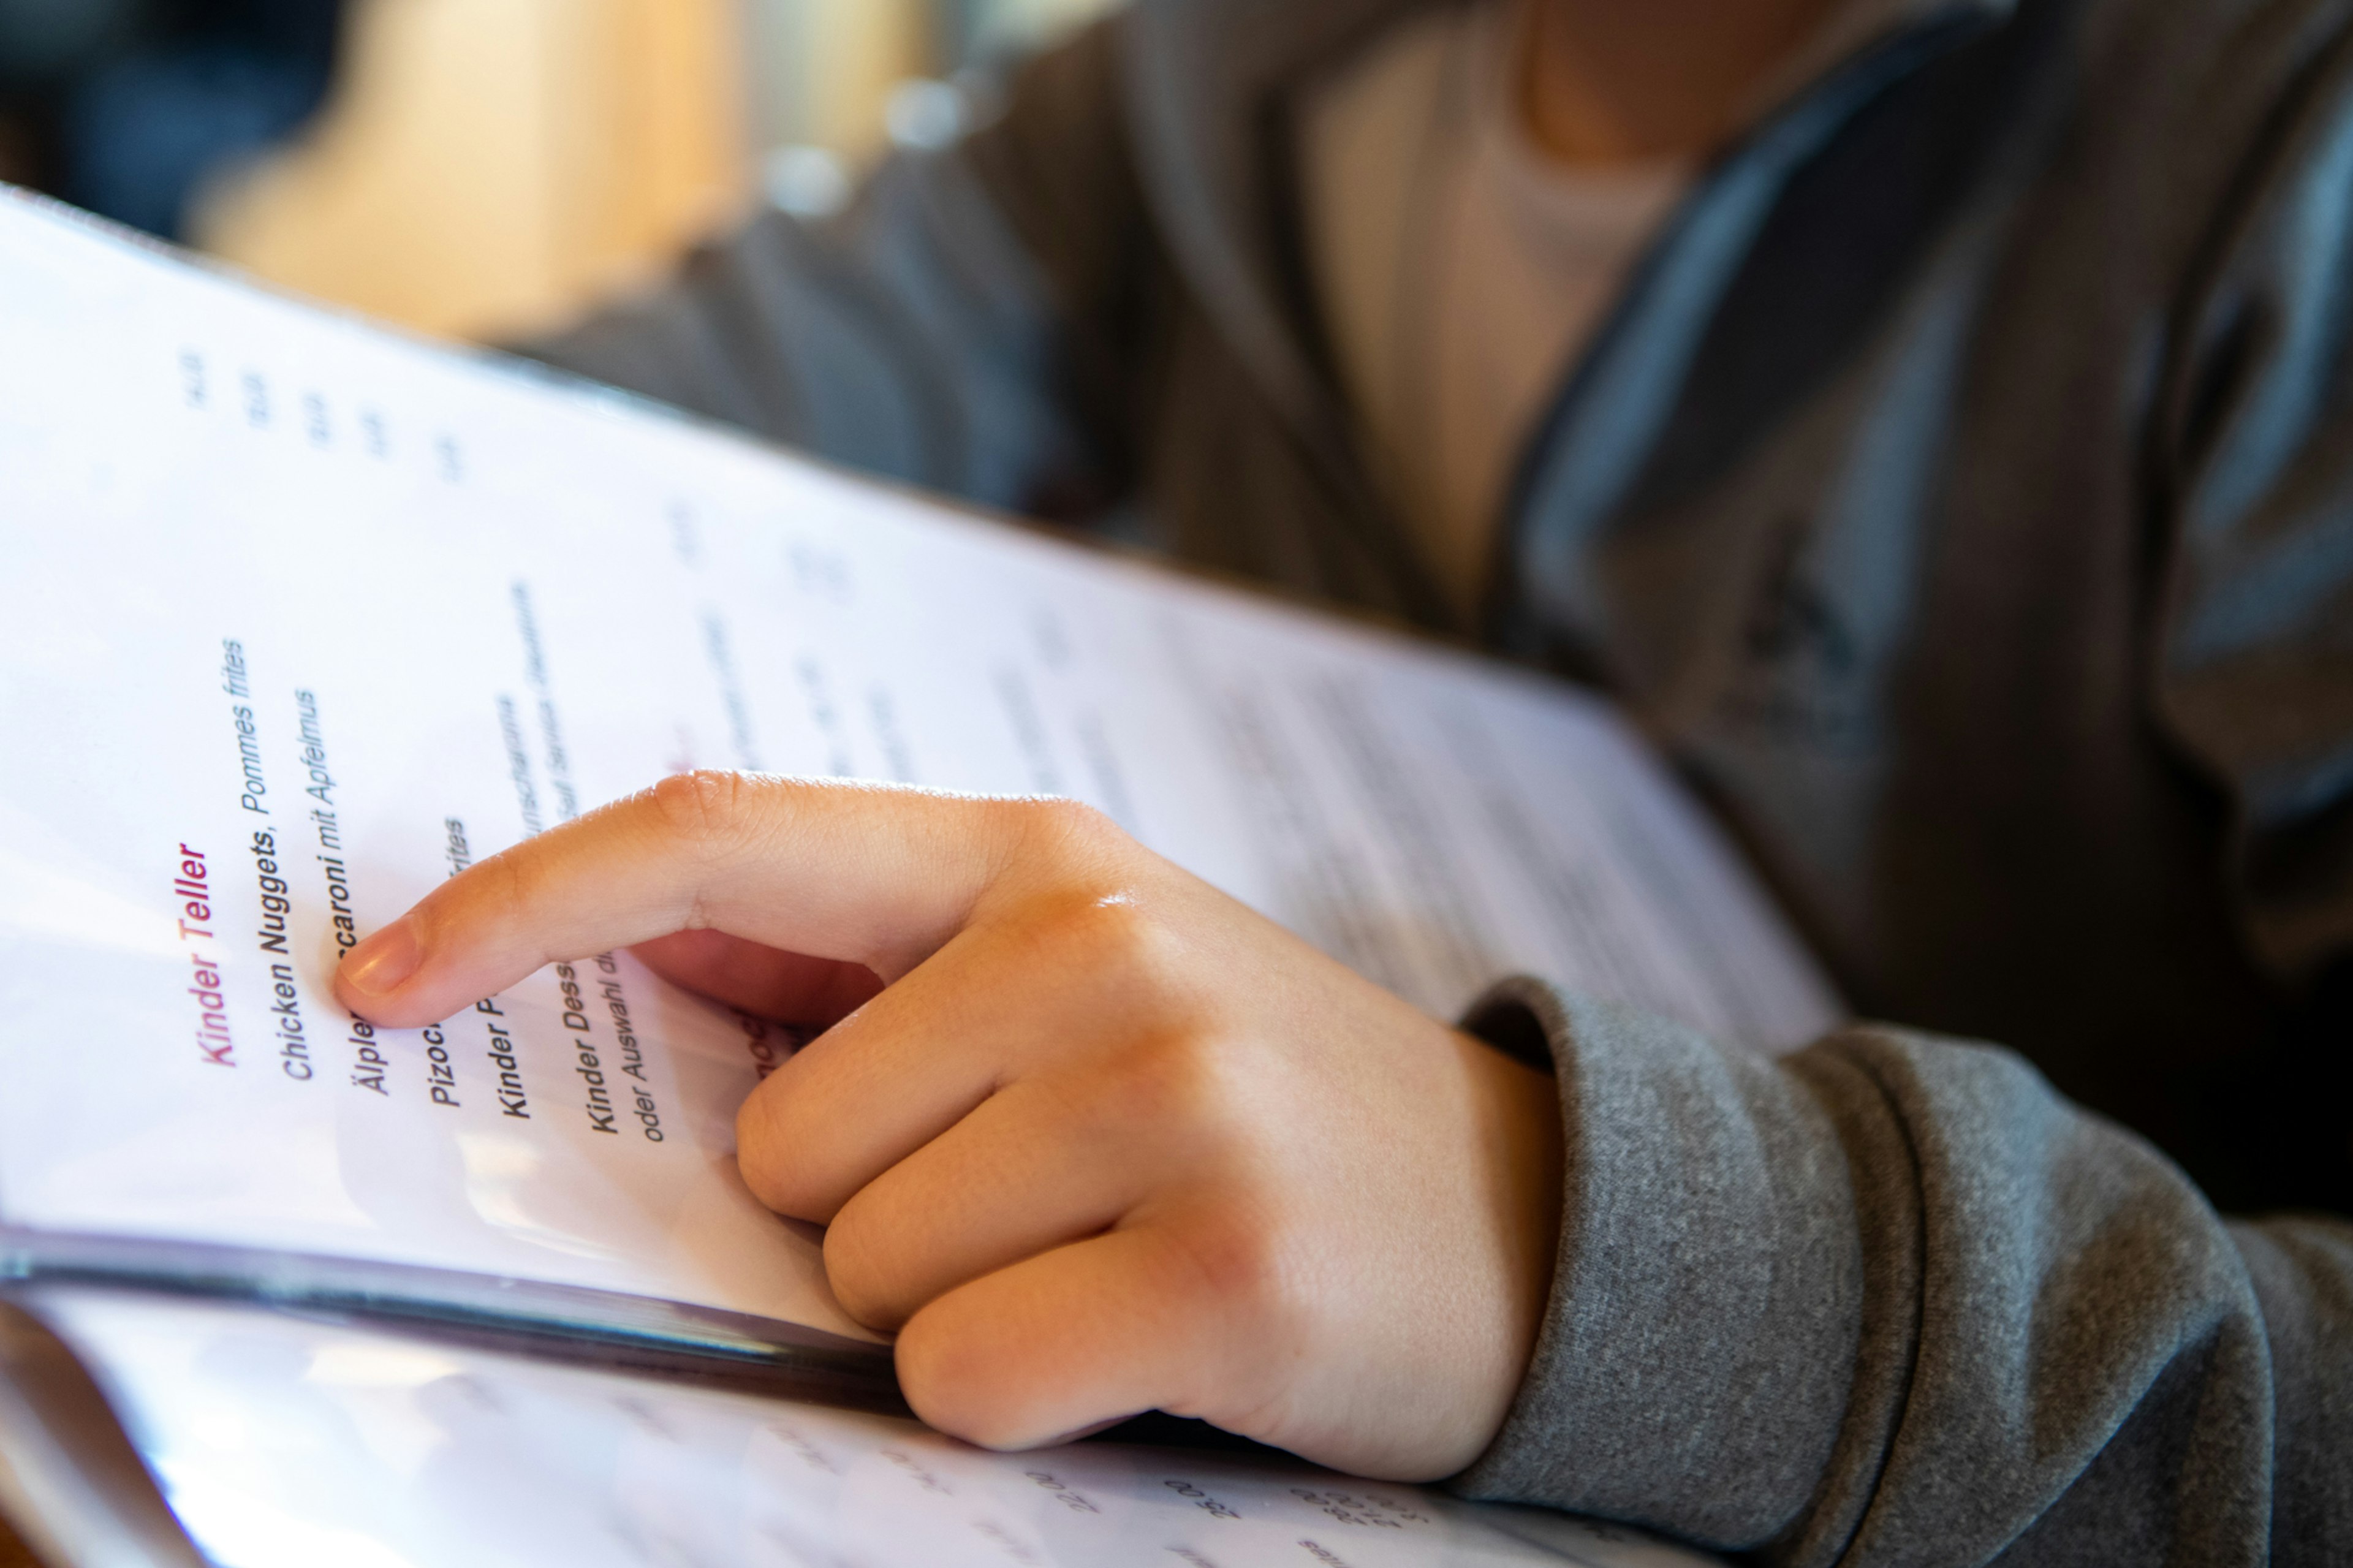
[1102, 1140]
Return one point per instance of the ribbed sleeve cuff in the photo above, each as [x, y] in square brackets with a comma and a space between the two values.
[1695, 1357]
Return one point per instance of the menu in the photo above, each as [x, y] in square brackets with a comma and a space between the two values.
[281, 1443]
[304, 615]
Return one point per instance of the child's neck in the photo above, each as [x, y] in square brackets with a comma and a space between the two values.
[1613, 81]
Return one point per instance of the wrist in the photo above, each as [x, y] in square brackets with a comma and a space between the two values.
[1517, 1130]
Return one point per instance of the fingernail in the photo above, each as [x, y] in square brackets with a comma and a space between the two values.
[377, 966]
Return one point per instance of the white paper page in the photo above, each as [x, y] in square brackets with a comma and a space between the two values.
[283, 1443]
[302, 615]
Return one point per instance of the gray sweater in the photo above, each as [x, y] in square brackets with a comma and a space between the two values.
[1962, 493]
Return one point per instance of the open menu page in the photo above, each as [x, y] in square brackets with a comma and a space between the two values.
[286, 1443]
[303, 617]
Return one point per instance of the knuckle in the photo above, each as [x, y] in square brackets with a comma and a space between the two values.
[1064, 833]
[705, 813]
[863, 1269]
[1074, 821]
[702, 808]
[1132, 940]
[969, 1371]
[512, 880]
[1244, 1265]
[762, 1154]
[1113, 934]
[947, 1376]
[1182, 1079]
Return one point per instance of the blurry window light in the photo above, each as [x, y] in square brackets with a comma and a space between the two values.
[858, 77]
[805, 180]
[926, 115]
[990, 30]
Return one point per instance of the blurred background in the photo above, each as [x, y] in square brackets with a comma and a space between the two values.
[482, 168]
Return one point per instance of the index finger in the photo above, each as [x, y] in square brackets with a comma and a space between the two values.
[879, 875]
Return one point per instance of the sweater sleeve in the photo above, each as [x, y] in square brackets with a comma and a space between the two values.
[937, 331]
[1893, 1299]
